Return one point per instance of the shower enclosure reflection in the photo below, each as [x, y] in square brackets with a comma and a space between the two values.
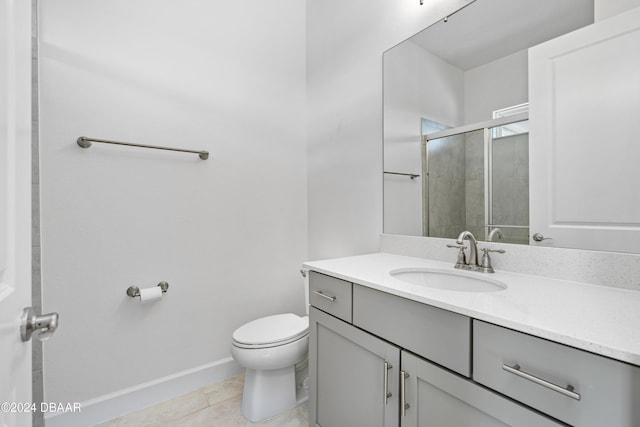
[476, 178]
[457, 72]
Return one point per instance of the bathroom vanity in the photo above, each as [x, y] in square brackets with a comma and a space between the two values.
[386, 351]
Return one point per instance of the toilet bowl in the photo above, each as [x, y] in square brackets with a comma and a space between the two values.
[273, 350]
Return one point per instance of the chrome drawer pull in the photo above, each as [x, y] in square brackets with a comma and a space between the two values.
[387, 393]
[568, 391]
[320, 294]
[403, 394]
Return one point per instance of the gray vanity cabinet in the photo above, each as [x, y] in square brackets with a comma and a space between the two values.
[363, 374]
[577, 387]
[434, 397]
[439, 335]
[353, 375]
[331, 295]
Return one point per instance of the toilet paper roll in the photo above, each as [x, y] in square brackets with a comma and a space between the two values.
[150, 294]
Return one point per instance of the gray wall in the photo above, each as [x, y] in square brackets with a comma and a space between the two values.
[228, 233]
[498, 84]
[417, 85]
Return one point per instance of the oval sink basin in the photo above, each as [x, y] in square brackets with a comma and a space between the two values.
[447, 280]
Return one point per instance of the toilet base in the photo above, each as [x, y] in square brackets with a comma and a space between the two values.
[270, 392]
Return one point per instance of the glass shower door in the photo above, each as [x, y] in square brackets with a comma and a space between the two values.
[476, 178]
[508, 200]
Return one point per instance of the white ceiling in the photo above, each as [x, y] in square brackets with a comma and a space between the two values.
[487, 30]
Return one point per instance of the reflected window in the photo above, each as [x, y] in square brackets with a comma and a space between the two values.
[512, 128]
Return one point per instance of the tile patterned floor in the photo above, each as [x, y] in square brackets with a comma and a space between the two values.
[217, 405]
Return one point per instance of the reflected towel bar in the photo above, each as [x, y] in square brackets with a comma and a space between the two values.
[85, 142]
[410, 175]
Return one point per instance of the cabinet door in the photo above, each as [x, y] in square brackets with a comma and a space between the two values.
[348, 371]
[435, 397]
[584, 109]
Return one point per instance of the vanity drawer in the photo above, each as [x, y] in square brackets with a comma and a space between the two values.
[430, 332]
[330, 295]
[538, 372]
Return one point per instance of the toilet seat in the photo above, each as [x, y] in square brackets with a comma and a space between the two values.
[271, 331]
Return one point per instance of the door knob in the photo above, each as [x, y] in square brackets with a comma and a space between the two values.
[30, 323]
[539, 237]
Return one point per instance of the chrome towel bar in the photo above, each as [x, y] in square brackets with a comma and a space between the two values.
[85, 142]
[410, 175]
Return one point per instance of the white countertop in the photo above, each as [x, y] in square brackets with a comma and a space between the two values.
[599, 319]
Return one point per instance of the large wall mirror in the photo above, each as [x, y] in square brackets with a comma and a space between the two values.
[456, 145]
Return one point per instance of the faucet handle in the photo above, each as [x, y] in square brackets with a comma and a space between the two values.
[500, 251]
[486, 259]
[457, 246]
[462, 258]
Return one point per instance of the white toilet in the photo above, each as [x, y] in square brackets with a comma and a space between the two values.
[274, 351]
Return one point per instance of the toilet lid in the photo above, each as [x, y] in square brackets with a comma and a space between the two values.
[272, 329]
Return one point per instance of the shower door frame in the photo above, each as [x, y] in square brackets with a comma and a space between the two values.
[486, 126]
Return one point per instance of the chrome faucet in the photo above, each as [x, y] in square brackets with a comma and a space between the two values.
[471, 263]
[496, 232]
[473, 246]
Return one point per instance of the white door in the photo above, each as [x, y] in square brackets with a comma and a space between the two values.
[15, 209]
[584, 108]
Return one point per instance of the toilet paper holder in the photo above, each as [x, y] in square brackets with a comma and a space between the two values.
[134, 291]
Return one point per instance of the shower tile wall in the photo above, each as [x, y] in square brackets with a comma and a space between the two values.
[511, 185]
[446, 186]
[474, 183]
[457, 185]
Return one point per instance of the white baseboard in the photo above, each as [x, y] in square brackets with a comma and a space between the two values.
[122, 402]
